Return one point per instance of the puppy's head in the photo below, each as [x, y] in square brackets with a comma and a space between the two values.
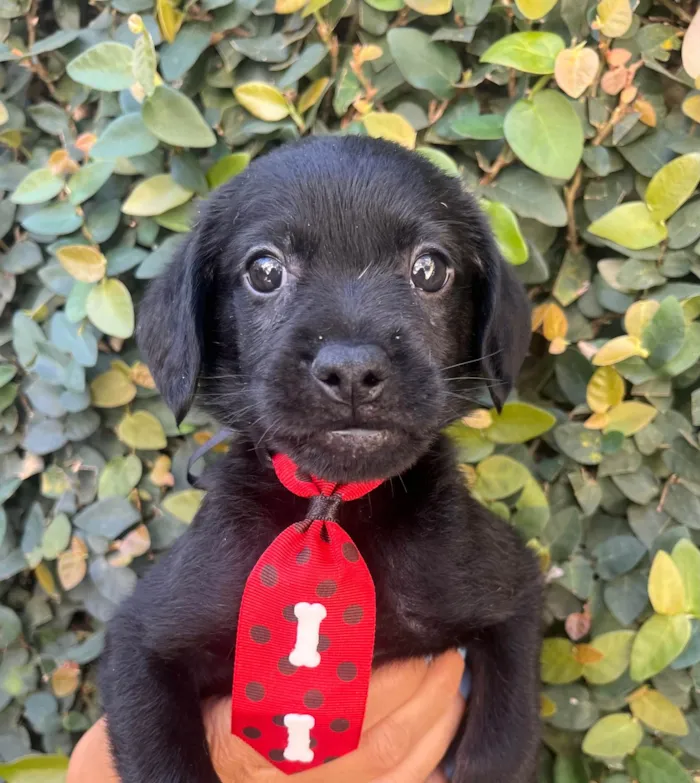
[341, 301]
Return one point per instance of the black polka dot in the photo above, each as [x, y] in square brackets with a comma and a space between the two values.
[350, 552]
[313, 699]
[276, 755]
[251, 732]
[260, 634]
[326, 589]
[278, 720]
[304, 556]
[269, 575]
[286, 667]
[324, 643]
[288, 614]
[301, 476]
[313, 743]
[347, 671]
[339, 725]
[353, 614]
[255, 691]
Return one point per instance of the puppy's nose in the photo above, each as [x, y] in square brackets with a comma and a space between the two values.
[351, 374]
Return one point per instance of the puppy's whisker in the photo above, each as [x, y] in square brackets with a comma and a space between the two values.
[473, 361]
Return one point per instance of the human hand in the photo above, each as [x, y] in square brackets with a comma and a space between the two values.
[413, 711]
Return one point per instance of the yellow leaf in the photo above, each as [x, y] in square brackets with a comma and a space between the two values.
[155, 195]
[666, 590]
[430, 7]
[289, 6]
[170, 19]
[71, 569]
[60, 162]
[657, 712]
[691, 107]
[555, 323]
[479, 419]
[65, 679]
[630, 417]
[392, 127]
[605, 389]
[686, 556]
[614, 17]
[535, 9]
[538, 316]
[11, 139]
[638, 316]
[597, 421]
[647, 112]
[142, 430]
[312, 94]
[672, 185]
[575, 69]
[184, 505]
[82, 262]
[201, 437]
[366, 53]
[558, 345]
[45, 578]
[262, 101]
[4, 114]
[547, 707]
[586, 654]
[111, 390]
[690, 51]
[618, 349]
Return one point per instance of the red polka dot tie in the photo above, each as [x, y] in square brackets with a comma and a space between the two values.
[305, 635]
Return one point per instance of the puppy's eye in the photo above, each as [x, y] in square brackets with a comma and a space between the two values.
[266, 274]
[429, 273]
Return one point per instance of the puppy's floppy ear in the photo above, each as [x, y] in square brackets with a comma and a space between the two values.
[171, 324]
[502, 320]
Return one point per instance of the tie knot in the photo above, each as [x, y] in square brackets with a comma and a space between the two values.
[307, 486]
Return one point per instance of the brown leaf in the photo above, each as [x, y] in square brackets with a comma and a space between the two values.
[646, 111]
[586, 653]
[575, 69]
[614, 81]
[618, 57]
[578, 624]
[65, 679]
[71, 569]
[690, 52]
[628, 95]
[161, 475]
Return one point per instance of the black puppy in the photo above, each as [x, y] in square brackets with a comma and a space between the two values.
[338, 301]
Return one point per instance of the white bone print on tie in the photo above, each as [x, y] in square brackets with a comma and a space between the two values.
[310, 617]
[299, 738]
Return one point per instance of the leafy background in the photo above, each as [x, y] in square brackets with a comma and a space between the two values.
[575, 123]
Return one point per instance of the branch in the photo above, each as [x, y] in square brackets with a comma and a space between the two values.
[571, 194]
[505, 158]
[676, 9]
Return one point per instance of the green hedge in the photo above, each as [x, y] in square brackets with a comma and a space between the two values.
[576, 125]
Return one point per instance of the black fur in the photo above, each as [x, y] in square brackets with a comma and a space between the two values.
[347, 216]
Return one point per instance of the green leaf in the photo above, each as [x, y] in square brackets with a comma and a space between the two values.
[686, 556]
[227, 167]
[440, 160]
[519, 422]
[660, 640]
[144, 62]
[558, 663]
[37, 187]
[546, 134]
[83, 262]
[618, 554]
[530, 52]
[54, 220]
[666, 587]
[173, 118]
[86, 182]
[126, 136]
[615, 647]
[184, 505]
[155, 195]
[425, 64]
[504, 225]
[613, 737]
[10, 626]
[672, 186]
[36, 769]
[579, 443]
[110, 308]
[500, 476]
[141, 430]
[119, 477]
[663, 335]
[655, 765]
[107, 66]
[112, 389]
[56, 537]
[630, 225]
